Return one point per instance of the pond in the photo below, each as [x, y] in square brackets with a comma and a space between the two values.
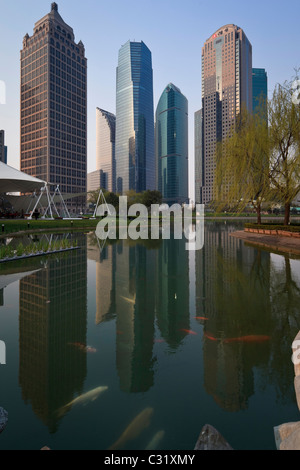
[138, 344]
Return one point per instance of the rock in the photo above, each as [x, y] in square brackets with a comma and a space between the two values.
[284, 431]
[292, 442]
[296, 357]
[297, 389]
[211, 439]
[3, 419]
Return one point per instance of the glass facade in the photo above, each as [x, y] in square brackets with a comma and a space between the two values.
[198, 156]
[54, 106]
[135, 155]
[226, 89]
[105, 148]
[260, 87]
[171, 137]
[3, 148]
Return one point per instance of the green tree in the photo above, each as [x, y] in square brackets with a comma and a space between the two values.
[284, 140]
[151, 197]
[242, 168]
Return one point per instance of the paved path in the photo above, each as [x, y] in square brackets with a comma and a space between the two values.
[272, 242]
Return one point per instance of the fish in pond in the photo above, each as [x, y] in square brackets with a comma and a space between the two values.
[154, 443]
[248, 339]
[189, 332]
[141, 422]
[83, 399]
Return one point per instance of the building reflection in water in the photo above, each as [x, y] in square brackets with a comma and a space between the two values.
[53, 322]
[142, 282]
[104, 256]
[172, 286]
[231, 300]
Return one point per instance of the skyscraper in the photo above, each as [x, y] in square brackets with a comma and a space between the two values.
[198, 121]
[171, 142]
[226, 89]
[105, 148]
[3, 148]
[54, 106]
[135, 155]
[260, 87]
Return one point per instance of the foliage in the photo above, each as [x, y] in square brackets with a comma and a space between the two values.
[242, 165]
[284, 141]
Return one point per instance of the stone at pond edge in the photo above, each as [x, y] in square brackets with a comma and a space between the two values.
[283, 432]
[3, 419]
[211, 439]
[295, 349]
[297, 390]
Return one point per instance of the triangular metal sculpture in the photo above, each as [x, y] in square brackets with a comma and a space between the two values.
[51, 204]
[101, 200]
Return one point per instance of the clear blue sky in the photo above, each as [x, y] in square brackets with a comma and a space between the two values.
[174, 31]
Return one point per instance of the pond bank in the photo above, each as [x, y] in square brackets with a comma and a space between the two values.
[277, 243]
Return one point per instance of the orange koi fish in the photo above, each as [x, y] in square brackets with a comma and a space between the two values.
[210, 337]
[189, 332]
[201, 318]
[248, 339]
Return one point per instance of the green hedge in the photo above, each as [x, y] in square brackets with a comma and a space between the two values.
[286, 228]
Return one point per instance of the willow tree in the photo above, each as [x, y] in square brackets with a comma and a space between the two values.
[242, 164]
[284, 140]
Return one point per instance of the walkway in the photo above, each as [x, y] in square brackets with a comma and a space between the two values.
[274, 243]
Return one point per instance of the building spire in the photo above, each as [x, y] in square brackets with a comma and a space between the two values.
[54, 6]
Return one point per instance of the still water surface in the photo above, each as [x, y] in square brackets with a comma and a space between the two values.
[177, 339]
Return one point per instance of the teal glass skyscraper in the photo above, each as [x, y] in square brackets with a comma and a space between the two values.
[260, 87]
[171, 141]
[135, 153]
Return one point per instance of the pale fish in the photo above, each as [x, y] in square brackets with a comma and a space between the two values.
[141, 422]
[127, 299]
[154, 443]
[92, 395]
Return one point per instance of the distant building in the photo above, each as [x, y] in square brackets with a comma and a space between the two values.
[3, 148]
[105, 148]
[226, 88]
[135, 154]
[171, 142]
[54, 107]
[94, 180]
[260, 88]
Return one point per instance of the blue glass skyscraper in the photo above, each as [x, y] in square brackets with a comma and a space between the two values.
[171, 137]
[135, 154]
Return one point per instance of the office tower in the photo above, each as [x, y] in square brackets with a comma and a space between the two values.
[105, 148]
[171, 142]
[135, 154]
[260, 87]
[3, 148]
[54, 106]
[94, 180]
[198, 122]
[226, 89]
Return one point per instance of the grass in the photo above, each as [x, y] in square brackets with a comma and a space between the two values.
[13, 226]
[8, 252]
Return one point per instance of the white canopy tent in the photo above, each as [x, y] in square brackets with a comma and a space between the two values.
[14, 181]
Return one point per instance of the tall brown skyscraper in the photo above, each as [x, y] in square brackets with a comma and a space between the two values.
[54, 106]
[226, 88]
